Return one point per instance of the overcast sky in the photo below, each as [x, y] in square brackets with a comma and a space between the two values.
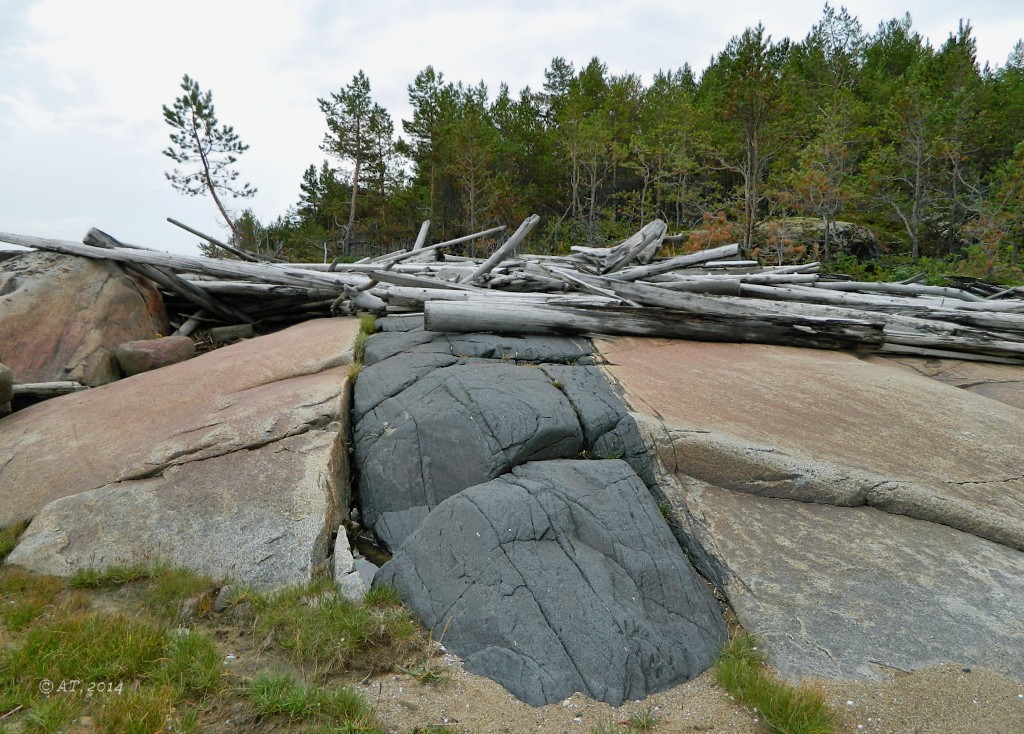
[82, 83]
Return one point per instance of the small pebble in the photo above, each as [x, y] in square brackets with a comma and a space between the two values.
[849, 703]
[577, 719]
[967, 670]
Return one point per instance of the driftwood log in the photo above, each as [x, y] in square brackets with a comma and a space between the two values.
[712, 294]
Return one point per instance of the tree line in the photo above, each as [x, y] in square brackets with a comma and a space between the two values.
[917, 142]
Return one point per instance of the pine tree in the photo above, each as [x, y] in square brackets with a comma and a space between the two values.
[209, 149]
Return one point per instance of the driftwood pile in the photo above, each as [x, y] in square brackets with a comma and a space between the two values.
[710, 295]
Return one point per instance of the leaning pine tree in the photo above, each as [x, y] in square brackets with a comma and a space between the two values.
[206, 150]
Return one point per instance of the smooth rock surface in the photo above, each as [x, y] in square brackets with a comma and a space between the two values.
[560, 576]
[841, 592]
[149, 354]
[259, 424]
[861, 518]
[901, 442]
[1002, 382]
[61, 317]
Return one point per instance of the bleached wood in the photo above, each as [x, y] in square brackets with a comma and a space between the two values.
[480, 314]
[506, 249]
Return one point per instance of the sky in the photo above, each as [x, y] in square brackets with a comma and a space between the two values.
[82, 84]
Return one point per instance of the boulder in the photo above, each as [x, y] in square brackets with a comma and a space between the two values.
[233, 462]
[437, 413]
[451, 429]
[149, 354]
[6, 389]
[558, 577]
[61, 317]
[262, 516]
[859, 517]
[792, 235]
[347, 578]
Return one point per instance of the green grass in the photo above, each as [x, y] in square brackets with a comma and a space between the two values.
[280, 694]
[165, 588]
[783, 708]
[25, 596]
[154, 668]
[316, 626]
[123, 626]
[9, 538]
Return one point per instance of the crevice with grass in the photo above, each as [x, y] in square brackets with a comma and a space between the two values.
[783, 708]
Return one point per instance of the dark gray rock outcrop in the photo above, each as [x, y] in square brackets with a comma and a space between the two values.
[6, 389]
[560, 576]
[437, 413]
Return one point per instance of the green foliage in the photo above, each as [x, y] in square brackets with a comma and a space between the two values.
[645, 720]
[280, 694]
[881, 128]
[784, 709]
[9, 538]
[206, 150]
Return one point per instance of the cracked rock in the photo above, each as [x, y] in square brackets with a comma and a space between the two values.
[232, 463]
[436, 413]
[560, 576]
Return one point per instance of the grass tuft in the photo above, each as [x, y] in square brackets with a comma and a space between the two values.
[315, 625]
[783, 708]
[280, 694]
[644, 720]
[9, 538]
[166, 589]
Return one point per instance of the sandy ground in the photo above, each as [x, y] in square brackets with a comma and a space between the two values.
[939, 700]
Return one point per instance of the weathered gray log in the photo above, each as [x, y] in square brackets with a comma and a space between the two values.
[415, 281]
[260, 291]
[361, 300]
[169, 281]
[730, 264]
[682, 261]
[902, 289]
[421, 237]
[588, 287]
[944, 354]
[47, 389]
[641, 247]
[481, 314]
[506, 249]
[873, 302]
[440, 245]
[898, 329]
[192, 323]
[231, 333]
[644, 243]
[215, 242]
[710, 285]
[270, 273]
